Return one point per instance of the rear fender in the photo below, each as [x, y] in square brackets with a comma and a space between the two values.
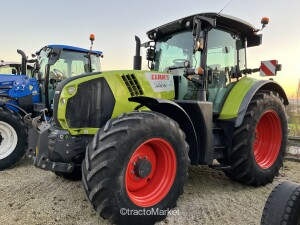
[238, 99]
[267, 85]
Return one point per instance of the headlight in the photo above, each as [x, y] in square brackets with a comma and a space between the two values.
[71, 90]
[63, 101]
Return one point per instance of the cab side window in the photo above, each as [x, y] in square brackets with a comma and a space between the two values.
[225, 56]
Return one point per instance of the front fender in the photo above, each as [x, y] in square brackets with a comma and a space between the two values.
[177, 113]
[13, 107]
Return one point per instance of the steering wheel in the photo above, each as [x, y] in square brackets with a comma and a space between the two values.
[57, 75]
[214, 67]
[179, 61]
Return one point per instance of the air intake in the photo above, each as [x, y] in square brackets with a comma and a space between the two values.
[132, 85]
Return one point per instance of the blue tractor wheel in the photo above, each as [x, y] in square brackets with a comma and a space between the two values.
[13, 138]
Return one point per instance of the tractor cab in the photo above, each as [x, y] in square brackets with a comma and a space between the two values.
[58, 62]
[204, 52]
[14, 68]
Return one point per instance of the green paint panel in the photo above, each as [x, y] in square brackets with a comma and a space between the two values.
[235, 98]
[120, 82]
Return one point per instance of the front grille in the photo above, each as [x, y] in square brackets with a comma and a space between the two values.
[91, 106]
[84, 109]
[132, 85]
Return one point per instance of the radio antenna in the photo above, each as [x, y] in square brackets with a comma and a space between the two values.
[224, 7]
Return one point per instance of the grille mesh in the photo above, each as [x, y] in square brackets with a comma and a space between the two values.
[132, 85]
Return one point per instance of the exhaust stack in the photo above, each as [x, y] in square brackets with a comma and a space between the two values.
[24, 62]
[137, 59]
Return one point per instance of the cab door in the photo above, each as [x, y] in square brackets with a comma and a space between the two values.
[225, 57]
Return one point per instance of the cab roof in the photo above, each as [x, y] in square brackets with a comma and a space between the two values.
[72, 48]
[222, 21]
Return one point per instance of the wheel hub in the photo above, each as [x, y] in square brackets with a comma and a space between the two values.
[268, 136]
[150, 172]
[142, 168]
[8, 139]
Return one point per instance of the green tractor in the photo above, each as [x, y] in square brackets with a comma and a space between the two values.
[138, 131]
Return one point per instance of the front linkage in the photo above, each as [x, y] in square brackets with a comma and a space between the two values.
[46, 143]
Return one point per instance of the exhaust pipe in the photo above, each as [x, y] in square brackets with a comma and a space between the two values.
[24, 62]
[137, 59]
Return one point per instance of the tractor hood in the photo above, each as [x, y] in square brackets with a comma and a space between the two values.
[84, 103]
[18, 86]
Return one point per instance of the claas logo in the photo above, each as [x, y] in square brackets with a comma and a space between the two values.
[159, 77]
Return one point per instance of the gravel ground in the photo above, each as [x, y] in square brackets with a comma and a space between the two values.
[35, 197]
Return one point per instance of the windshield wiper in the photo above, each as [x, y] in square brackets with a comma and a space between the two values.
[175, 67]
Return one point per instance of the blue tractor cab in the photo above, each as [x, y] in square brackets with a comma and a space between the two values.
[27, 88]
[58, 62]
[13, 68]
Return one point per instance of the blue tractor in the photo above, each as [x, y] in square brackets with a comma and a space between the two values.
[28, 90]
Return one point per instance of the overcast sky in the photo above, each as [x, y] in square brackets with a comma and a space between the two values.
[31, 24]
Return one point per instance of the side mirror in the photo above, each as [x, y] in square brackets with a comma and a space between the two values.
[54, 56]
[209, 76]
[199, 45]
[198, 35]
[150, 54]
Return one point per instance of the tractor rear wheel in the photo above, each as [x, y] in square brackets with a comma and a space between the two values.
[135, 168]
[259, 144]
[283, 205]
[13, 138]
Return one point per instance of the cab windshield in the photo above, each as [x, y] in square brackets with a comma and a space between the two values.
[173, 50]
[70, 63]
[170, 54]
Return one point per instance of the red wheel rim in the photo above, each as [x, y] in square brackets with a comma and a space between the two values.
[150, 190]
[268, 137]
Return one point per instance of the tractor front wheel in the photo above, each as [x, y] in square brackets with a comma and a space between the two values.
[259, 144]
[13, 138]
[135, 168]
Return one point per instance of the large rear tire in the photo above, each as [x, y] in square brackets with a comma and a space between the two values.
[283, 205]
[138, 162]
[259, 144]
[13, 138]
